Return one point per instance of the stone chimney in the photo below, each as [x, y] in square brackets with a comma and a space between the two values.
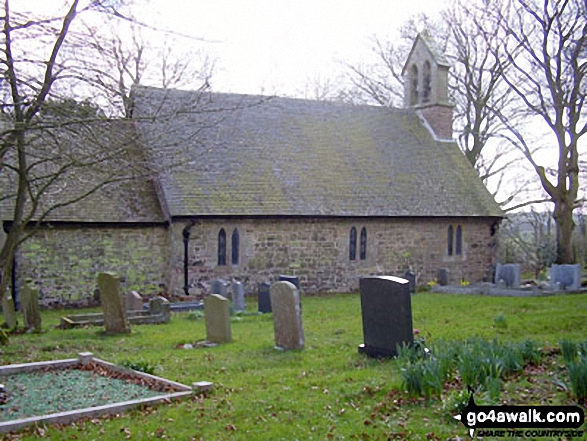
[426, 86]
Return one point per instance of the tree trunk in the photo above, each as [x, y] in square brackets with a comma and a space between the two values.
[563, 217]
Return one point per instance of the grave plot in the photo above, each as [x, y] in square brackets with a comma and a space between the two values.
[65, 390]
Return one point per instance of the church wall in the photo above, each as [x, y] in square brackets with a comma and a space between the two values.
[64, 262]
[317, 251]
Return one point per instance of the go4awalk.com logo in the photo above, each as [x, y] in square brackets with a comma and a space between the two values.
[522, 421]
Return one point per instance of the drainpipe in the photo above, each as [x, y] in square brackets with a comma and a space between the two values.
[186, 239]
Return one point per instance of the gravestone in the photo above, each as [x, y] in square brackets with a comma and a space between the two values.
[509, 273]
[287, 320]
[238, 297]
[217, 317]
[219, 287]
[29, 302]
[134, 301]
[291, 279]
[264, 299]
[410, 276]
[160, 306]
[8, 310]
[114, 312]
[569, 276]
[443, 276]
[386, 310]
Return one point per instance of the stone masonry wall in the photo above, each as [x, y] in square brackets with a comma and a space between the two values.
[317, 251]
[64, 262]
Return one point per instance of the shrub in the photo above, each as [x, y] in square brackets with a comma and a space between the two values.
[141, 366]
[577, 371]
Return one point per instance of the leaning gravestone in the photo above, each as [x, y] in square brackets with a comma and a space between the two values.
[114, 312]
[217, 319]
[29, 302]
[442, 276]
[386, 310]
[238, 297]
[219, 287]
[568, 276]
[287, 320]
[134, 301]
[264, 300]
[509, 273]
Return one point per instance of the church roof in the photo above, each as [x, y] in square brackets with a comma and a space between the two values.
[226, 154]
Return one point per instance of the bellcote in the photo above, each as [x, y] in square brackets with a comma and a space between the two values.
[425, 75]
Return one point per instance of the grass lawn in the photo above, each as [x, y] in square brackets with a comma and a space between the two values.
[326, 391]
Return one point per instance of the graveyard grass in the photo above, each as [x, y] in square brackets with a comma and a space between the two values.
[326, 391]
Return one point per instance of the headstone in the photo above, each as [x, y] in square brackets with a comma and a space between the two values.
[291, 279]
[114, 312]
[160, 306]
[386, 310]
[442, 277]
[410, 276]
[219, 287]
[217, 317]
[509, 273]
[569, 276]
[264, 299]
[8, 310]
[238, 297]
[287, 320]
[134, 301]
[29, 302]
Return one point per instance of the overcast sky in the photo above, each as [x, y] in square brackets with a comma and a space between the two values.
[276, 46]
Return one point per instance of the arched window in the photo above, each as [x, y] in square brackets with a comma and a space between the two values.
[222, 247]
[235, 247]
[427, 83]
[459, 241]
[353, 244]
[414, 85]
[363, 249]
[450, 240]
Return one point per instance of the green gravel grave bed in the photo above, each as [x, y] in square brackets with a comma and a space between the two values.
[48, 392]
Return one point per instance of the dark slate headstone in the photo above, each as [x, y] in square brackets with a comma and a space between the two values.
[442, 277]
[569, 276]
[291, 279]
[264, 298]
[509, 273]
[386, 310]
[410, 276]
[219, 287]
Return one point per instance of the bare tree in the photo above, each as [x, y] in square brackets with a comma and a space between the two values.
[56, 152]
[542, 54]
[476, 85]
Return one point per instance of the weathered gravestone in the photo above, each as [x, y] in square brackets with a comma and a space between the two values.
[410, 276]
[219, 287]
[386, 310]
[134, 301]
[287, 320]
[442, 276]
[509, 273]
[569, 276]
[9, 310]
[114, 312]
[238, 297]
[264, 300]
[160, 306]
[217, 319]
[29, 302]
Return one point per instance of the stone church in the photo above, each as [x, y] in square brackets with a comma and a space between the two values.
[252, 187]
